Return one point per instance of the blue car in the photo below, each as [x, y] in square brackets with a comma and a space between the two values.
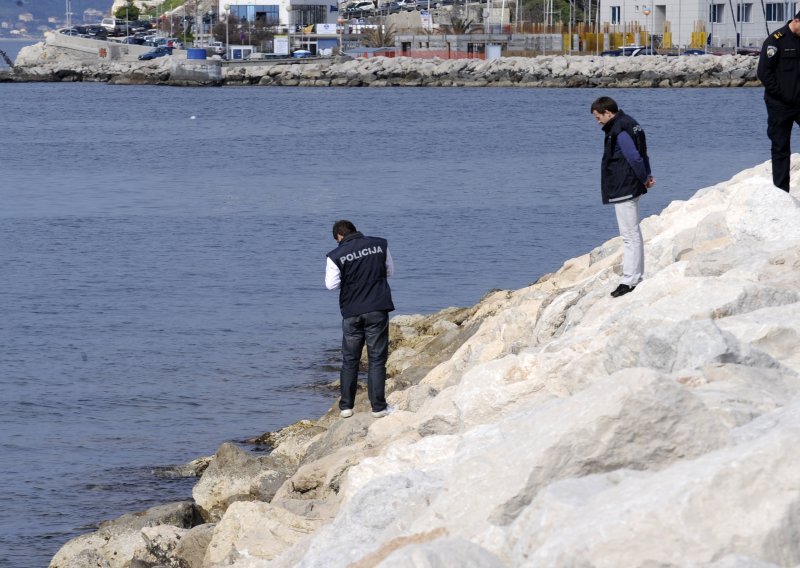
[159, 51]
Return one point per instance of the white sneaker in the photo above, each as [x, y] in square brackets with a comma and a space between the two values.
[346, 413]
[381, 413]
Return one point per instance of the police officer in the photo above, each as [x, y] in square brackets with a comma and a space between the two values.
[779, 72]
[358, 268]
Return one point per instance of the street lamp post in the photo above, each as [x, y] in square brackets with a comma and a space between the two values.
[646, 13]
[227, 24]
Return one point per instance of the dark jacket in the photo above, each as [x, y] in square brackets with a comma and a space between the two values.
[779, 68]
[619, 181]
[362, 264]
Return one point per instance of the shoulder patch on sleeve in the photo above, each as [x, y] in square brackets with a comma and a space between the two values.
[777, 35]
[771, 51]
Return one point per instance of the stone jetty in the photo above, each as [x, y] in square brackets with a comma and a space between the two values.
[547, 426]
[54, 62]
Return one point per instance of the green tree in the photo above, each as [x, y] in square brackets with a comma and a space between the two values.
[457, 26]
[381, 36]
[127, 12]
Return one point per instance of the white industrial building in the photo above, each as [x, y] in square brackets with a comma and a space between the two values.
[684, 23]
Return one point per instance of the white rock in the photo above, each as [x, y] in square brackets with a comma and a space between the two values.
[577, 429]
[255, 530]
[741, 500]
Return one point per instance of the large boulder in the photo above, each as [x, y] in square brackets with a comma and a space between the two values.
[116, 542]
[234, 475]
[255, 530]
[741, 500]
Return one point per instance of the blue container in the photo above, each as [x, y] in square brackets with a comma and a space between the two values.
[196, 53]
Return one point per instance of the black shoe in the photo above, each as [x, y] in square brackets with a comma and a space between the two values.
[621, 290]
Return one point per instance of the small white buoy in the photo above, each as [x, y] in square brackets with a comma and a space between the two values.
[192, 117]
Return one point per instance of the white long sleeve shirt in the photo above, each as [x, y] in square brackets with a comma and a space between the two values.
[333, 276]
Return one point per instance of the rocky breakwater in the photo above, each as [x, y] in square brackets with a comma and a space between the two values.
[547, 426]
[544, 71]
[45, 62]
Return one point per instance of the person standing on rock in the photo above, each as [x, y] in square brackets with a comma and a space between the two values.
[779, 72]
[359, 268]
[624, 178]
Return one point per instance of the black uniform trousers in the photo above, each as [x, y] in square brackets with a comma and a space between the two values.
[780, 120]
[371, 328]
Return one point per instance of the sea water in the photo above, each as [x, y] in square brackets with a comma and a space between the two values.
[162, 254]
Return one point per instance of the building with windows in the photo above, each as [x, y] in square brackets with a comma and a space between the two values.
[290, 15]
[696, 23]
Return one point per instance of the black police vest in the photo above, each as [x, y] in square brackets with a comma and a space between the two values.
[618, 181]
[362, 264]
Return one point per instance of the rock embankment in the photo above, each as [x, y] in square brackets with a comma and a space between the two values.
[547, 426]
[50, 63]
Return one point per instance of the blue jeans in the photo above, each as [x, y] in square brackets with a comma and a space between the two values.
[372, 328]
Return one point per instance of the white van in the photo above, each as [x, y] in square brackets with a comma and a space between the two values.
[111, 23]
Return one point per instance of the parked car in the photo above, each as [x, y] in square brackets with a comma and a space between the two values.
[217, 47]
[391, 8]
[302, 53]
[159, 51]
[694, 52]
[172, 42]
[141, 25]
[121, 29]
[96, 31]
[629, 51]
[110, 23]
[360, 8]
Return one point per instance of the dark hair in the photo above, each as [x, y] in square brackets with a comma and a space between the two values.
[605, 104]
[343, 228]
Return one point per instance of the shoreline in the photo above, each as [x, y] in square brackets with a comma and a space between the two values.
[44, 62]
[519, 422]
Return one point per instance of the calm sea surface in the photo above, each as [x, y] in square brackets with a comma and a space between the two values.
[162, 254]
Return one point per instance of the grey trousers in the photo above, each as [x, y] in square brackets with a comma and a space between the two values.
[633, 244]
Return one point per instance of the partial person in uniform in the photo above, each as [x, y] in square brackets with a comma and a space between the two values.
[779, 72]
[624, 178]
[359, 268]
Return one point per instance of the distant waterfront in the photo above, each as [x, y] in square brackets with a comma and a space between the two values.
[64, 59]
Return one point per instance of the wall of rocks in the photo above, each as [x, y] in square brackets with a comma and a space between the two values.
[45, 62]
[547, 426]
